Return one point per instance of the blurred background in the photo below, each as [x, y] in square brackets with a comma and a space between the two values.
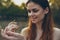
[15, 10]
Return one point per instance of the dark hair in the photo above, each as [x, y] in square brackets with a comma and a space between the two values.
[43, 3]
[47, 25]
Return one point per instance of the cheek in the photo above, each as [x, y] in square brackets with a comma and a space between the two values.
[41, 16]
[40, 12]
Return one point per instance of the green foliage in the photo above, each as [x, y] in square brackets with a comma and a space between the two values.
[11, 11]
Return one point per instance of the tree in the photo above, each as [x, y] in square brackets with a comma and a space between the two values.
[55, 6]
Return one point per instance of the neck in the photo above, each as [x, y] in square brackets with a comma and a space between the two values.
[39, 25]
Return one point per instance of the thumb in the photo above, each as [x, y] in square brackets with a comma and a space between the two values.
[1, 31]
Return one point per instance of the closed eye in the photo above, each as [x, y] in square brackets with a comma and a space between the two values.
[35, 10]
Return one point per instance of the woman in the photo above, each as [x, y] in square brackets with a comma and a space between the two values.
[41, 25]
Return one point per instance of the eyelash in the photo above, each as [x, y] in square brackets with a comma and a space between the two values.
[33, 11]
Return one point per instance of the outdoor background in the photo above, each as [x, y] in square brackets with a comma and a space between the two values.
[15, 10]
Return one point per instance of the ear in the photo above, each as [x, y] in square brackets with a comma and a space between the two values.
[46, 10]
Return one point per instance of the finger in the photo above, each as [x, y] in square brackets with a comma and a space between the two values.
[12, 27]
[9, 29]
[6, 29]
[11, 38]
[6, 36]
[14, 34]
[3, 33]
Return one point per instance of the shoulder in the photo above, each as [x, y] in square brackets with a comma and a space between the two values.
[56, 33]
[24, 31]
[56, 29]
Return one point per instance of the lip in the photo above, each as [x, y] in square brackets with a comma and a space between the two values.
[34, 17]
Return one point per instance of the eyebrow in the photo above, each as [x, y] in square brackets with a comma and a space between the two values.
[32, 9]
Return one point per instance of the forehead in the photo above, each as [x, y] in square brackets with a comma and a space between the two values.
[32, 5]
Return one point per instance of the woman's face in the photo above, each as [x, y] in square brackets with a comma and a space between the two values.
[35, 12]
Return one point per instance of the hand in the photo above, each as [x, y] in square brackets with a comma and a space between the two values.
[9, 35]
[12, 26]
[9, 32]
